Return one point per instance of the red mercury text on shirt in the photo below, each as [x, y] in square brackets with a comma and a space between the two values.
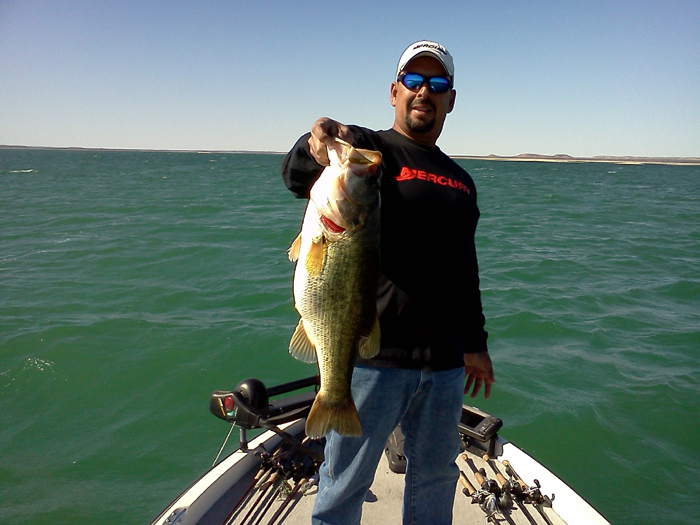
[409, 174]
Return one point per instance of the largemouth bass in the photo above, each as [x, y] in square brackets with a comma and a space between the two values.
[335, 283]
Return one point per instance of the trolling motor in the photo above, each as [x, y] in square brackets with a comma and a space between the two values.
[248, 406]
[243, 406]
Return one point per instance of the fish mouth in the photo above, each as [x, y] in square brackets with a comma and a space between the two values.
[368, 159]
[331, 226]
[348, 197]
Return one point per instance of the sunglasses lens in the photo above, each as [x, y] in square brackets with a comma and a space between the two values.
[439, 85]
[414, 81]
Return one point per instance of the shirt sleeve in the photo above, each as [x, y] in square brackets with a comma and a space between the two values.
[299, 169]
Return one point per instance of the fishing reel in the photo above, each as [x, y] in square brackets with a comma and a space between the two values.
[491, 486]
[523, 492]
[534, 494]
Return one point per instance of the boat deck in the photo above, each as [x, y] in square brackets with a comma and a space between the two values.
[265, 481]
[383, 504]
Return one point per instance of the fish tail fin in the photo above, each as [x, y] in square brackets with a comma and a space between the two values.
[343, 418]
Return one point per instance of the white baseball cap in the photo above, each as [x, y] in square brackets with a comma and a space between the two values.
[430, 49]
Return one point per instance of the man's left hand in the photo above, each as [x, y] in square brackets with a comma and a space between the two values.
[479, 370]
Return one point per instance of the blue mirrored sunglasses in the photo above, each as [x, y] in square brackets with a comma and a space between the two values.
[415, 81]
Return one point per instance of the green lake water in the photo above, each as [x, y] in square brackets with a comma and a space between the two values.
[133, 284]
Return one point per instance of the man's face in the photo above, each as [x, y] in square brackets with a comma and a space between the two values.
[420, 115]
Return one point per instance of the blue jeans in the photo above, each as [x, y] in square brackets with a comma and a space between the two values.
[428, 405]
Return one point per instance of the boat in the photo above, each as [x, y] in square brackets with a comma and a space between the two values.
[272, 478]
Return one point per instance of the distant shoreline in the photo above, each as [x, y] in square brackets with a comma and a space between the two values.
[146, 150]
[524, 157]
[533, 157]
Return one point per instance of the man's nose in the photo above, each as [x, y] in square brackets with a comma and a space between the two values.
[424, 90]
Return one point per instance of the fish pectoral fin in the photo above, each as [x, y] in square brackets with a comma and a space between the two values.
[314, 258]
[293, 251]
[300, 346]
[369, 344]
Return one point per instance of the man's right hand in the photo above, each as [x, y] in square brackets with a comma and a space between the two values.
[323, 134]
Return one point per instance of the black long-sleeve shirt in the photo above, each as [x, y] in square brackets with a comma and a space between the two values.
[428, 300]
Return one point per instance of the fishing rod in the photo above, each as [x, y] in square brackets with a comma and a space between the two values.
[268, 479]
[286, 467]
[265, 465]
[245, 495]
[287, 500]
[306, 475]
[266, 468]
[532, 493]
[287, 474]
[287, 438]
[273, 479]
[509, 486]
[489, 493]
[489, 485]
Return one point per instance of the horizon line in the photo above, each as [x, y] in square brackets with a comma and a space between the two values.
[527, 157]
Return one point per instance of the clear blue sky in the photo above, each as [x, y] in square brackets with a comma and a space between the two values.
[592, 77]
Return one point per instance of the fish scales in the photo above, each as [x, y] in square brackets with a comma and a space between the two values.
[341, 304]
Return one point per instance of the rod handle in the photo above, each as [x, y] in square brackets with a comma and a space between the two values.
[465, 482]
[499, 477]
[477, 474]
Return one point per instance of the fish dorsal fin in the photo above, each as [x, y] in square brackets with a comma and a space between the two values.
[314, 258]
[300, 346]
[369, 344]
[293, 251]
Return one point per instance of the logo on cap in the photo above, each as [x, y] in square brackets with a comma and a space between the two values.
[434, 46]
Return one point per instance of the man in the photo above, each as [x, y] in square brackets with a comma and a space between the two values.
[429, 304]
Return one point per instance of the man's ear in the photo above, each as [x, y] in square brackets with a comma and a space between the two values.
[453, 95]
[392, 94]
